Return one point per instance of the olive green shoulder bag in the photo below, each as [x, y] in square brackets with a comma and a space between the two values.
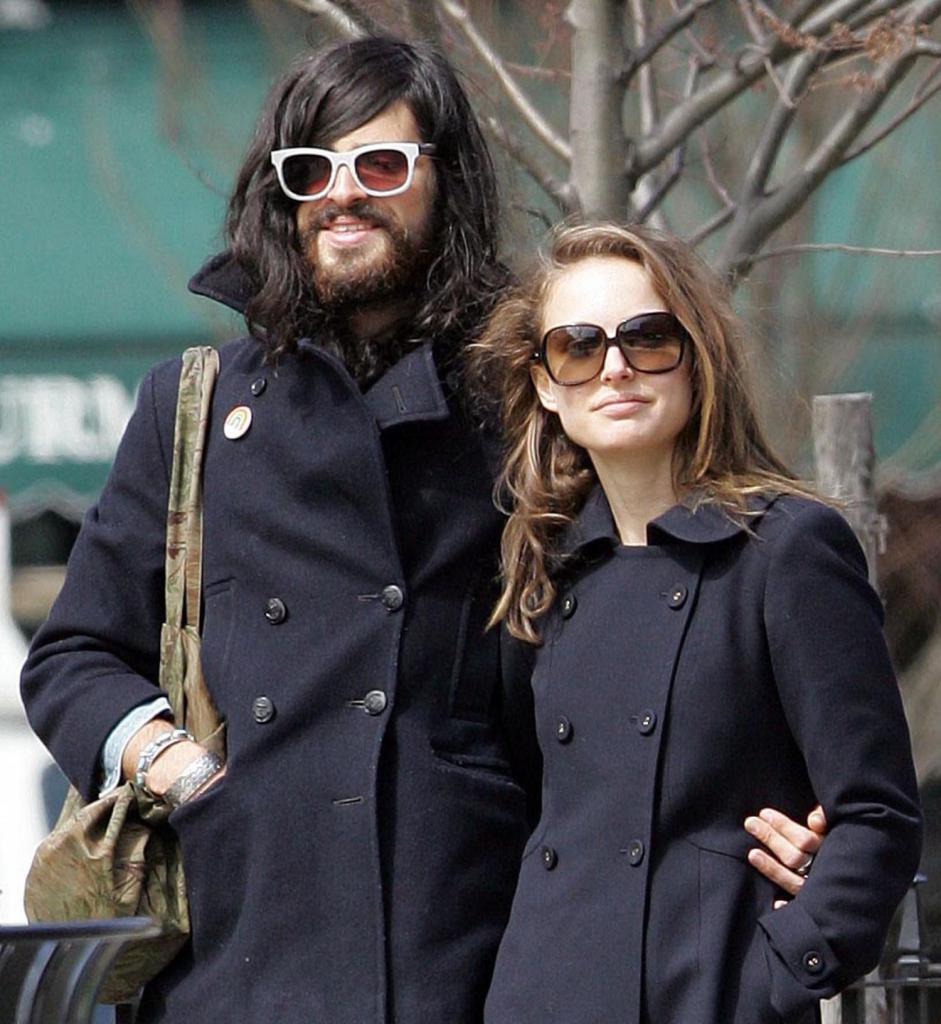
[116, 856]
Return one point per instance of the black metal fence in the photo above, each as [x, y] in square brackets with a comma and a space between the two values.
[906, 988]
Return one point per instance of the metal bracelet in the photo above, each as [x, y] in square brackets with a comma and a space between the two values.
[156, 746]
[195, 775]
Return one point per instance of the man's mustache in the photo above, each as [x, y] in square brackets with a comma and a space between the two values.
[362, 209]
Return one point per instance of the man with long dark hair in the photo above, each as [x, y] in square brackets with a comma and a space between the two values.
[356, 863]
[439, 275]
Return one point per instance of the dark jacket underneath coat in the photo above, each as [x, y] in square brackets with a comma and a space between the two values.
[358, 860]
[683, 686]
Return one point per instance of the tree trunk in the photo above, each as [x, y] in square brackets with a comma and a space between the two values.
[599, 145]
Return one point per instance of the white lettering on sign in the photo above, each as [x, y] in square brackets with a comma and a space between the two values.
[54, 418]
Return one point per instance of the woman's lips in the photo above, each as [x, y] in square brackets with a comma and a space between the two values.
[615, 404]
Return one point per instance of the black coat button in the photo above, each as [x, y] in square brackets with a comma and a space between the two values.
[646, 722]
[392, 597]
[569, 604]
[563, 729]
[375, 702]
[676, 598]
[259, 385]
[262, 709]
[635, 852]
[813, 962]
[549, 858]
[276, 610]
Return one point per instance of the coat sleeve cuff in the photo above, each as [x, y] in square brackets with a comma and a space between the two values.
[804, 967]
[112, 754]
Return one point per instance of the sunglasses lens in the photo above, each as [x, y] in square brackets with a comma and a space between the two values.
[653, 343]
[574, 354]
[306, 174]
[382, 170]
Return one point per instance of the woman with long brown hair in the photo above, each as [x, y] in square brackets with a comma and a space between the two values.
[707, 642]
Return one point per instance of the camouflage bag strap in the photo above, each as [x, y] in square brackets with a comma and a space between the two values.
[184, 507]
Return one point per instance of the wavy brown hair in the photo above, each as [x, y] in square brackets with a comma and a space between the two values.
[720, 456]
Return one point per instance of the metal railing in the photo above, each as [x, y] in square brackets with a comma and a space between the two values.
[906, 988]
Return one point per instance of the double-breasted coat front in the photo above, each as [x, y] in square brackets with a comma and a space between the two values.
[681, 686]
[357, 862]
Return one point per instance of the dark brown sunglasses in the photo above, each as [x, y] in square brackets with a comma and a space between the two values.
[650, 343]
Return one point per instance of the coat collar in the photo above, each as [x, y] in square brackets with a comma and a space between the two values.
[221, 278]
[706, 523]
[409, 391]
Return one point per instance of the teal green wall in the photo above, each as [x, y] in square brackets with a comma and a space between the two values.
[115, 165]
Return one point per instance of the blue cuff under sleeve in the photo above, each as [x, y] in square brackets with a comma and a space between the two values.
[113, 750]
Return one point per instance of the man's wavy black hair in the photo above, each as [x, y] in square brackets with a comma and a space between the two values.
[322, 97]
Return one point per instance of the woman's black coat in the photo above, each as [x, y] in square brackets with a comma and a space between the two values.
[684, 685]
[356, 864]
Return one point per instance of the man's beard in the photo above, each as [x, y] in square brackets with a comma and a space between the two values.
[357, 281]
[362, 280]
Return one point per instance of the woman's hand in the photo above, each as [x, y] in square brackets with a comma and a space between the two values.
[789, 847]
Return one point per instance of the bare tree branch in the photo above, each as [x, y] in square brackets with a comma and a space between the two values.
[835, 11]
[536, 71]
[540, 127]
[649, 112]
[775, 129]
[654, 43]
[887, 130]
[925, 85]
[720, 190]
[560, 193]
[801, 11]
[656, 198]
[343, 15]
[648, 195]
[708, 56]
[532, 211]
[750, 66]
[880, 9]
[711, 226]
[747, 10]
[866, 250]
[754, 222]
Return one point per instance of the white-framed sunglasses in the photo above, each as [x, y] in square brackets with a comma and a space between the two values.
[379, 169]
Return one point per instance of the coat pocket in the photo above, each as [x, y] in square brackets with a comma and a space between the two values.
[493, 770]
[735, 977]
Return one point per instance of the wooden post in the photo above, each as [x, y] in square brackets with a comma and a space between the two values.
[844, 466]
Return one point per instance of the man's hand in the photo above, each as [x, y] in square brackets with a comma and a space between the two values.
[169, 765]
[788, 846]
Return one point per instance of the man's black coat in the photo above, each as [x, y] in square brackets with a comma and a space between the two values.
[356, 864]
